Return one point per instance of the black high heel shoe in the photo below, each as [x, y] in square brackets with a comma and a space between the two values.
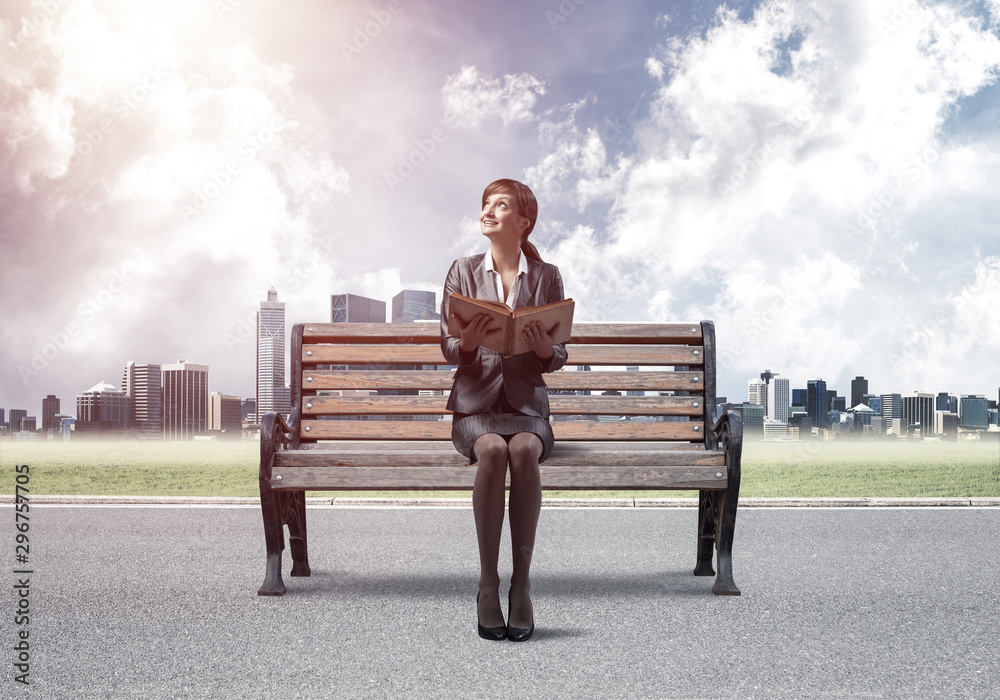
[517, 634]
[494, 633]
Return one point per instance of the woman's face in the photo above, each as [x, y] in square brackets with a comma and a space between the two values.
[500, 219]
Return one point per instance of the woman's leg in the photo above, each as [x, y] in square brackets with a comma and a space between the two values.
[525, 503]
[487, 507]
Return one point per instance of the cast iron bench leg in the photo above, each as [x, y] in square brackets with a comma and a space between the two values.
[274, 536]
[706, 534]
[297, 533]
[726, 519]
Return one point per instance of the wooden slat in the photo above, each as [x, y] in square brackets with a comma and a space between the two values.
[389, 354]
[567, 380]
[442, 446]
[558, 405]
[387, 454]
[423, 332]
[462, 478]
[441, 430]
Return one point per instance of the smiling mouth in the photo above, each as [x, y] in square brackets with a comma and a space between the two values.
[489, 222]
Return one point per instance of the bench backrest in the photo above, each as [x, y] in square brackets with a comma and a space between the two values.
[383, 368]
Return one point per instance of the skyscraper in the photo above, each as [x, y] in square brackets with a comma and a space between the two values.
[892, 408]
[414, 305]
[859, 387]
[50, 407]
[16, 416]
[185, 400]
[778, 399]
[817, 403]
[143, 384]
[351, 308]
[272, 394]
[918, 409]
[973, 412]
[757, 392]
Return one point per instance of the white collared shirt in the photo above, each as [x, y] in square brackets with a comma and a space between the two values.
[522, 269]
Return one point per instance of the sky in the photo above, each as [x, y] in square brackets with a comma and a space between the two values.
[817, 178]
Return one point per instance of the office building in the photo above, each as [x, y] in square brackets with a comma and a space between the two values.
[102, 403]
[946, 424]
[973, 412]
[863, 416]
[817, 403]
[414, 305]
[29, 424]
[946, 402]
[185, 400]
[143, 384]
[778, 399]
[891, 406]
[872, 401]
[248, 409]
[224, 415]
[753, 420]
[50, 407]
[918, 409]
[838, 403]
[757, 391]
[272, 393]
[3, 421]
[775, 429]
[859, 388]
[799, 397]
[352, 308]
[14, 423]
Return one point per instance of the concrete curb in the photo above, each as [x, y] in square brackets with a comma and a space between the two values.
[747, 502]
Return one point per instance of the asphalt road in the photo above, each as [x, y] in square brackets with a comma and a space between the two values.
[160, 602]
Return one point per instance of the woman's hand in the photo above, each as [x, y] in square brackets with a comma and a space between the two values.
[539, 339]
[473, 334]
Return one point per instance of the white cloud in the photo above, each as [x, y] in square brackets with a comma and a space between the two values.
[471, 98]
[795, 155]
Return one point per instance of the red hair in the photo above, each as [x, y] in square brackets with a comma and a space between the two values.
[527, 206]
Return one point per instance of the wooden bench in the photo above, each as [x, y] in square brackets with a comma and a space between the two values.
[379, 435]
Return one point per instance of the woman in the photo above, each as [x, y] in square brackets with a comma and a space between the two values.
[500, 405]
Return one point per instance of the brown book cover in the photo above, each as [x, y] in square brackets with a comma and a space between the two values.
[507, 339]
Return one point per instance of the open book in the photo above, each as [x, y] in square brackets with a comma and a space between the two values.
[509, 340]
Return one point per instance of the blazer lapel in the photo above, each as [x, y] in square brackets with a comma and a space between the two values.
[529, 284]
[485, 286]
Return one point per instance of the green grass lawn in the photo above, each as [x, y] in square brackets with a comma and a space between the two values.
[845, 469]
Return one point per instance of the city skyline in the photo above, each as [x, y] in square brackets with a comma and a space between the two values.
[419, 305]
[815, 178]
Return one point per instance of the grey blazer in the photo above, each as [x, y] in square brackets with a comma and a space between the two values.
[478, 382]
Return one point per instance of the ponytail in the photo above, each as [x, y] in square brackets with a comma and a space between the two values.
[529, 250]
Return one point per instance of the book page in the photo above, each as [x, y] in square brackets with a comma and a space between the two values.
[467, 308]
[549, 315]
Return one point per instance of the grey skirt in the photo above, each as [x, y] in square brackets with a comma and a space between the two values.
[505, 421]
